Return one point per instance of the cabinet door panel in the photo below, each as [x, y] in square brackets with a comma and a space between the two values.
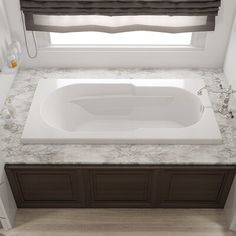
[46, 188]
[193, 188]
[120, 188]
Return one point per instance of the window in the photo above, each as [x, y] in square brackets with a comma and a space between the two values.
[135, 40]
[142, 38]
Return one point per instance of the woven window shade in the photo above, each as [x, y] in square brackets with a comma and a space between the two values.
[120, 15]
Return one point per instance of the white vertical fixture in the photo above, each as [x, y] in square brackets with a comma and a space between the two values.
[230, 207]
[7, 203]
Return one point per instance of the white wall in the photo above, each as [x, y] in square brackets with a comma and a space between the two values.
[211, 57]
[230, 60]
[7, 203]
[7, 75]
[5, 36]
[230, 73]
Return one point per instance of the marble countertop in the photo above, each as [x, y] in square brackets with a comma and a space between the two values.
[12, 151]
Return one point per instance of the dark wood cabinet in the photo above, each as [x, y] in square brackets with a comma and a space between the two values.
[120, 186]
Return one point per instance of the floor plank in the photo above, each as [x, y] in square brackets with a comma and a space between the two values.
[117, 222]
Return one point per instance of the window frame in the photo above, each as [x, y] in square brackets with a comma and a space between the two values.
[198, 42]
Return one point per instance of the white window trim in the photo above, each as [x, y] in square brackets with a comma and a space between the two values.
[198, 43]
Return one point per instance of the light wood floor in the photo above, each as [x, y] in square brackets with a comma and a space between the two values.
[117, 222]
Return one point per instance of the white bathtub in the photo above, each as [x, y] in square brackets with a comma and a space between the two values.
[108, 111]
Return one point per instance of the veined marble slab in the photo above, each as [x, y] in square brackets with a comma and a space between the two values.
[12, 151]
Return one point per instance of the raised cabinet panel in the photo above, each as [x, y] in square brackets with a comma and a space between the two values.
[194, 188]
[46, 188]
[117, 188]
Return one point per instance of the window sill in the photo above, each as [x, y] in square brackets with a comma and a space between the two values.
[118, 48]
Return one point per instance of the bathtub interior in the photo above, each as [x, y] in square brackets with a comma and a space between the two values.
[109, 107]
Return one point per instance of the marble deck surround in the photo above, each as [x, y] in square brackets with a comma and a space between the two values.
[12, 151]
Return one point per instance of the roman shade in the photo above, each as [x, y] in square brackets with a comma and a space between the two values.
[120, 15]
